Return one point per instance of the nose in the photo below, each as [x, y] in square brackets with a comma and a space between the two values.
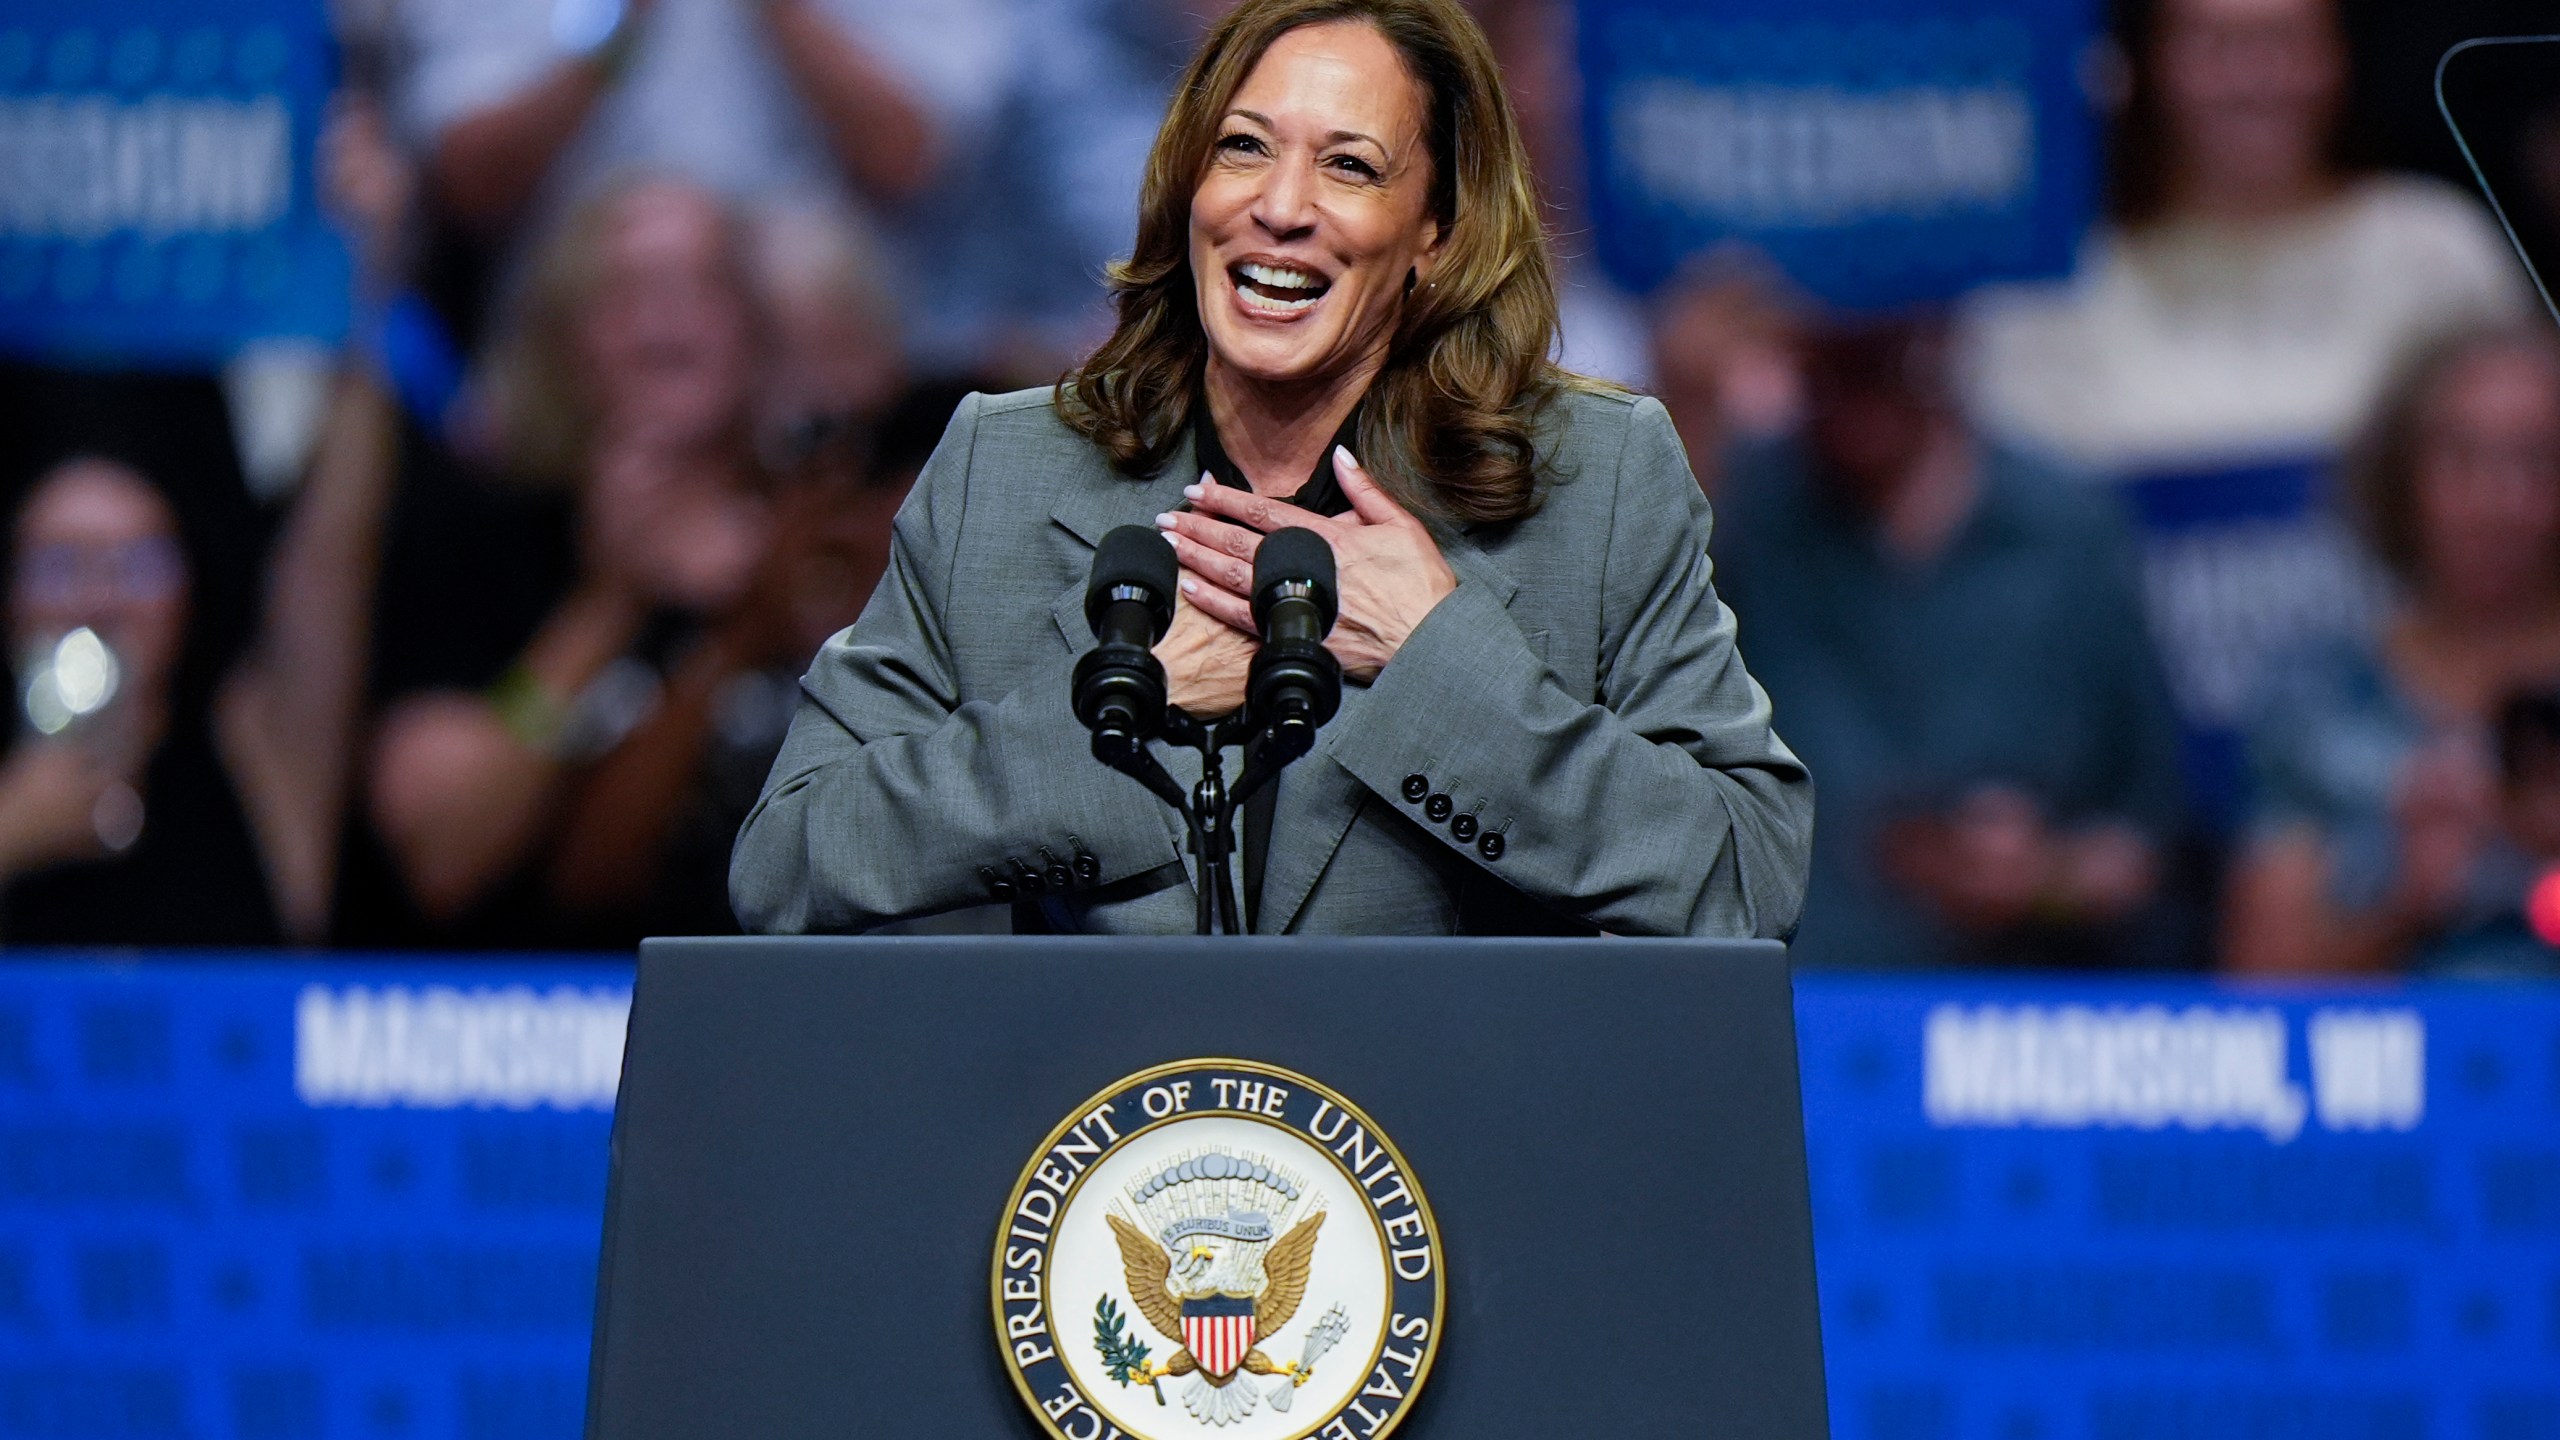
[1284, 208]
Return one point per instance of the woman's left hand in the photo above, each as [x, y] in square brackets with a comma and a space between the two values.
[1388, 570]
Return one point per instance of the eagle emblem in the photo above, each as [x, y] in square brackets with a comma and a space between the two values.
[1203, 1267]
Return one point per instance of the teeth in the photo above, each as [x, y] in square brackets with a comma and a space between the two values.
[1281, 277]
[1260, 301]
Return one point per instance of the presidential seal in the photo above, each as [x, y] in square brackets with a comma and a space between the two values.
[1218, 1248]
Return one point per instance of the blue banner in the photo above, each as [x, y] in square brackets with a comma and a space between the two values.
[258, 1200]
[1881, 156]
[157, 203]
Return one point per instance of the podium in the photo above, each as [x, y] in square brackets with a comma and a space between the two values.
[825, 1148]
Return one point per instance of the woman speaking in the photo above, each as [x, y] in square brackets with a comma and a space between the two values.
[1338, 316]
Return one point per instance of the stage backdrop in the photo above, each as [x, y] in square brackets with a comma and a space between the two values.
[156, 196]
[267, 1201]
[1881, 156]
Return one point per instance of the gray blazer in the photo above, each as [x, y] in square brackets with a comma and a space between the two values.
[1579, 694]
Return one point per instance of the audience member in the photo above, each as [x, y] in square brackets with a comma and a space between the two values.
[1021, 236]
[1952, 639]
[161, 791]
[525, 110]
[2226, 329]
[1725, 358]
[1604, 330]
[585, 669]
[2376, 830]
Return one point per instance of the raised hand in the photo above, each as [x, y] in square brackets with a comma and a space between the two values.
[1389, 570]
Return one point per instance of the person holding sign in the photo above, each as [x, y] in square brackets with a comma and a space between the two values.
[2224, 335]
[1337, 317]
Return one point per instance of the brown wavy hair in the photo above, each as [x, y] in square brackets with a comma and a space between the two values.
[1446, 424]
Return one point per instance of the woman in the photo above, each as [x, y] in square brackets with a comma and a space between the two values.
[2375, 829]
[576, 666]
[2228, 328]
[168, 787]
[1337, 315]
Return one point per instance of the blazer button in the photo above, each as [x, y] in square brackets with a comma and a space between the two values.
[1416, 786]
[1088, 868]
[1060, 878]
[1464, 827]
[1490, 847]
[1028, 880]
[997, 886]
[1438, 808]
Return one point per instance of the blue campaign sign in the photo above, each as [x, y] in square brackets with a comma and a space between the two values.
[2050, 1211]
[156, 164]
[2243, 566]
[1881, 155]
[262, 1200]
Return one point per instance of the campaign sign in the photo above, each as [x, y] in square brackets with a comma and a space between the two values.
[255, 1199]
[2242, 566]
[270, 1201]
[156, 195]
[2173, 1211]
[1882, 156]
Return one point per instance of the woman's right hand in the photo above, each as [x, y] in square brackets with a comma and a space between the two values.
[49, 796]
[1205, 661]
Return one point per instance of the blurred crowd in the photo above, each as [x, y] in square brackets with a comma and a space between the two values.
[2200, 609]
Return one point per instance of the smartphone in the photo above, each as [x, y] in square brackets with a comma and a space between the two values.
[67, 683]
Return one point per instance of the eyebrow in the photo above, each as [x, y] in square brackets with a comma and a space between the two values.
[1336, 138]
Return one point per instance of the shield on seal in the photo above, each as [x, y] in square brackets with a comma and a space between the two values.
[1218, 1331]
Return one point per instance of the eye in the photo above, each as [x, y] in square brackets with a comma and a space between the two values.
[1354, 166]
[1239, 142]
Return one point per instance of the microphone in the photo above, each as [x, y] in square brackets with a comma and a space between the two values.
[1295, 684]
[1119, 684]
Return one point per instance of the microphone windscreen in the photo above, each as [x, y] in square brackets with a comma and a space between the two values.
[1293, 554]
[1139, 556]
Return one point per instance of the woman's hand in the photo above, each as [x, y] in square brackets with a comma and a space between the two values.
[1205, 662]
[1388, 570]
[2444, 804]
[665, 532]
[50, 792]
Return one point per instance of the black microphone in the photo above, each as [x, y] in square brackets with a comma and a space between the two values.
[1295, 684]
[1119, 684]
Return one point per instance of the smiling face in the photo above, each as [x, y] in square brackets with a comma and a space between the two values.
[97, 546]
[2487, 482]
[1314, 209]
[666, 335]
[2250, 88]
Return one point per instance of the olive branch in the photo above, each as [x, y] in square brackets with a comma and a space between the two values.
[1122, 1353]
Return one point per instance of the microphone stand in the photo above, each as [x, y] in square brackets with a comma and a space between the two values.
[1209, 811]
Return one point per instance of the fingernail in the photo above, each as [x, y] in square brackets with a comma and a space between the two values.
[1342, 456]
[1195, 489]
[1165, 521]
[1190, 587]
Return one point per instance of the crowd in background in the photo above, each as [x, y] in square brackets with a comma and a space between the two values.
[2199, 609]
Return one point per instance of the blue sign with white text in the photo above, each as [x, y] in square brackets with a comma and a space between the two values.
[1881, 156]
[283, 1200]
[157, 203]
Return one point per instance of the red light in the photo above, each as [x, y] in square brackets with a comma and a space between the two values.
[2542, 906]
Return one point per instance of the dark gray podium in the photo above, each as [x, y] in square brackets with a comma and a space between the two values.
[817, 1138]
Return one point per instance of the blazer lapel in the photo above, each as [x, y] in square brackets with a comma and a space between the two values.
[1318, 798]
[1107, 501]
[1090, 510]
